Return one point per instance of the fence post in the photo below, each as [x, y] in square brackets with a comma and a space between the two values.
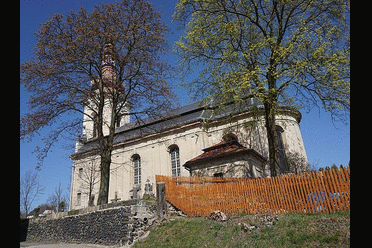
[160, 198]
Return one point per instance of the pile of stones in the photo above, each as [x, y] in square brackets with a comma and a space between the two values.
[218, 216]
[259, 221]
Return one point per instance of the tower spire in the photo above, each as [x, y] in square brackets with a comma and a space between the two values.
[112, 89]
[108, 64]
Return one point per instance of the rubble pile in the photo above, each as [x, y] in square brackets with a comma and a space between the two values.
[218, 216]
[173, 211]
[267, 219]
[259, 221]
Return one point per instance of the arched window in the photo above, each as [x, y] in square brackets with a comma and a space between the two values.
[118, 120]
[137, 169]
[175, 161]
[80, 172]
[78, 199]
[229, 137]
[282, 158]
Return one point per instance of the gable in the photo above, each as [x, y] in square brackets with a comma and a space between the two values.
[223, 150]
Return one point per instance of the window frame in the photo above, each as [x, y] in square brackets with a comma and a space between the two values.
[174, 152]
[137, 170]
[78, 199]
[80, 173]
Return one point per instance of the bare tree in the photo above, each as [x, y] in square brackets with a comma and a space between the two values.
[30, 189]
[58, 200]
[296, 163]
[314, 166]
[89, 177]
[109, 57]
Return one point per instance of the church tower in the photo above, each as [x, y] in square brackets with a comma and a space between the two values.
[108, 65]
[108, 73]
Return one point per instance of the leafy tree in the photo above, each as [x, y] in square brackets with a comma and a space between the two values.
[334, 166]
[109, 56]
[36, 212]
[284, 52]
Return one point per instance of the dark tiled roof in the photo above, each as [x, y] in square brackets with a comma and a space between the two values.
[222, 149]
[174, 118]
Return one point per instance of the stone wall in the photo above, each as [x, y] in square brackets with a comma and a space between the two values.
[121, 225]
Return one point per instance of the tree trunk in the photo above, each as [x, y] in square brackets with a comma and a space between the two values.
[270, 104]
[90, 197]
[105, 177]
[106, 144]
[271, 137]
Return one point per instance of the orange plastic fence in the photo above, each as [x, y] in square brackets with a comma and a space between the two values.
[326, 191]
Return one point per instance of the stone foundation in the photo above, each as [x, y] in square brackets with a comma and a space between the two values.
[121, 225]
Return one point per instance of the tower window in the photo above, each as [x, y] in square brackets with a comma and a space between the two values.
[95, 126]
[80, 172]
[81, 177]
[118, 121]
[175, 160]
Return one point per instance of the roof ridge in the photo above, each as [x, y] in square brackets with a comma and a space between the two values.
[224, 143]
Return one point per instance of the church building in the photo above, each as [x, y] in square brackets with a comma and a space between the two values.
[234, 144]
[192, 140]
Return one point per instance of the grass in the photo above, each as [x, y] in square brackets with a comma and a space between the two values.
[291, 230]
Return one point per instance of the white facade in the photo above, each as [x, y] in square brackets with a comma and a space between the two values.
[154, 148]
[89, 116]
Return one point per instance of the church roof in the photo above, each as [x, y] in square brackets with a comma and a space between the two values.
[194, 112]
[222, 149]
[175, 118]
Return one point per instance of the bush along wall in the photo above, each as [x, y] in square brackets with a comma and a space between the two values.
[117, 226]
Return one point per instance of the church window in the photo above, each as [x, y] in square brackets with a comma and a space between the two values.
[175, 160]
[78, 199]
[137, 169]
[81, 176]
[282, 157]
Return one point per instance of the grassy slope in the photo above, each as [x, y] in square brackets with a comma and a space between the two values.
[291, 230]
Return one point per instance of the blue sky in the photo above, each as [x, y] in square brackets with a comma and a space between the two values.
[325, 142]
